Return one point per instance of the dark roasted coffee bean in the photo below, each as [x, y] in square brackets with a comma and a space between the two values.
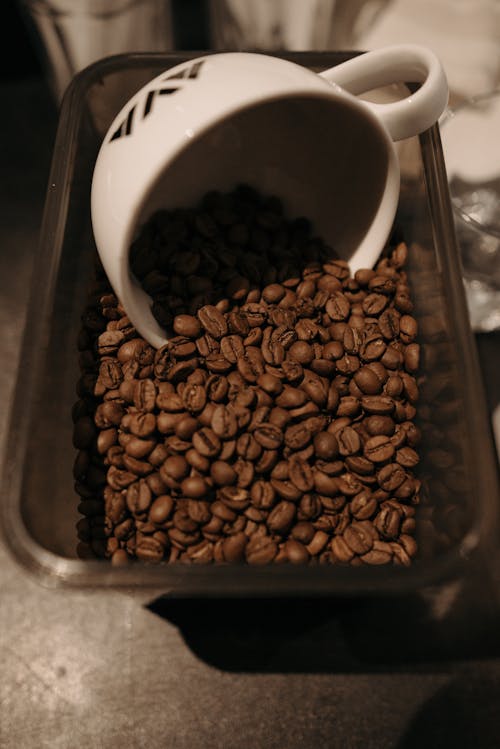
[232, 348]
[325, 446]
[378, 449]
[281, 517]
[194, 398]
[301, 474]
[161, 509]
[317, 543]
[224, 422]
[363, 505]
[407, 457]
[357, 538]
[338, 307]
[379, 425]
[268, 436]
[222, 473]
[251, 364]
[186, 325]
[194, 487]
[247, 447]
[296, 552]
[260, 550]
[297, 437]
[138, 498]
[378, 404]
[324, 484]
[286, 489]
[367, 381]
[212, 321]
[233, 547]
[388, 522]
[262, 495]
[348, 441]
[235, 497]
[206, 442]
[150, 550]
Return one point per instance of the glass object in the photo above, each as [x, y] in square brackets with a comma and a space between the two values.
[271, 24]
[459, 509]
[471, 148]
[76, 33]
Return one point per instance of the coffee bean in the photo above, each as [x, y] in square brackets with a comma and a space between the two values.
[206, 442]
[161, 509]
[232, 348]
[194, 487]
[378, 449]
[281, 517]
[325, 446]
[357, 538]
[296, 552]
[212, 321]
[150, 550]
[388, 522]
[260, 550]
[338, 307]
[186, 325]
[407, 457]
[367, 381]
[268, 436]
[317, 543]
[297, 437]
[233, 547]
[251, 364]
[348, 441]
[286, 489]
[284, 380]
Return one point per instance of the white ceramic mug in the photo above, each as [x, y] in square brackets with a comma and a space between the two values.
[222, 119]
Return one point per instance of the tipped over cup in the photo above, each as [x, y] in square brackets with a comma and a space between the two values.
[223, 119]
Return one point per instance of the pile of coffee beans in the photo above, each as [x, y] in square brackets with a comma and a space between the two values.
[276, 425]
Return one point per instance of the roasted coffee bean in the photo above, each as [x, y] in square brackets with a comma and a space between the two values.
[357, 538]
[301, 474]
[235, 497]
[260, 550]
[363, 505]
[388, 522]
[348, 441]
[268, 436]
[262, 495]
[281, 517]
[222, 473]
[186, 325]
[150, 550]
[212, 321]
[284, 382]
[206, 442]
[194, 487]
[381, 553]
[161, 509]
[317, 543]
[194, 398]
[296, 552]
[233, 547]
[378, 449]
[341, 551]
[326, 446]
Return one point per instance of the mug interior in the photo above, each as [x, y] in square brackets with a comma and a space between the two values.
[322, 157]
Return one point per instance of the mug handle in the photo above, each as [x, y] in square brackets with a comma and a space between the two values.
[401, 63]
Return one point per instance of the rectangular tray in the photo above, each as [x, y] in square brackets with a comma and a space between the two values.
[38, 509]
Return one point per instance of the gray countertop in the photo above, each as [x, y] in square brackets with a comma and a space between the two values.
[130, 669]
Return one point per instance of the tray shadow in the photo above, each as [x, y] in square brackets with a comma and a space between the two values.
[377, 634]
